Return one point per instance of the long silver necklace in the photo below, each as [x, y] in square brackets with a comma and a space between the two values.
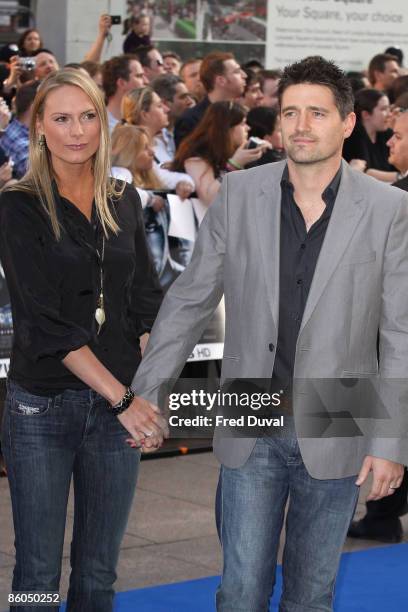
[100, 310]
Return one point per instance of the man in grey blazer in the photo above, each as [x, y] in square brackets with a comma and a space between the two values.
[312, 259]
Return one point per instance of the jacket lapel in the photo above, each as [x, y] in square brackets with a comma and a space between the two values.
[268, 208]
[347, 212]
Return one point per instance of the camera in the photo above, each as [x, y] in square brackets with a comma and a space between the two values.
[255, 142]
[116, 19]
[27, 63]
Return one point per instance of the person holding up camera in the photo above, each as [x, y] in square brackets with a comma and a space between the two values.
[218, 144]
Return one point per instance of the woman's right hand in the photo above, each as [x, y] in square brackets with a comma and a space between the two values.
[144, 422]
[244, 156]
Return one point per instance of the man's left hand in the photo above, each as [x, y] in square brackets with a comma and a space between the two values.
[387, 476]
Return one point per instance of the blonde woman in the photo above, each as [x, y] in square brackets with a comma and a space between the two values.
[132, 161]
[145, 108]
[82, 291]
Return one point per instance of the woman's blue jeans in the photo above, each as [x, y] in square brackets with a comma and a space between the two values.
[46, 441]
[251, 503]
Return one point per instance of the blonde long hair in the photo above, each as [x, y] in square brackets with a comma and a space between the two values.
[136, 101]
[127, 142]
[40, 174]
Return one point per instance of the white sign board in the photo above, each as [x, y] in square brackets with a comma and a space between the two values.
[350, 32]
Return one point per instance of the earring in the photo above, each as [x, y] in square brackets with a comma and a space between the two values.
[41, 141]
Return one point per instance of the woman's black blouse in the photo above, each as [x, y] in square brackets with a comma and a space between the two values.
[54, 288]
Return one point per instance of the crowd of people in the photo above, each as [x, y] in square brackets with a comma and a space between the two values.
[176, 126]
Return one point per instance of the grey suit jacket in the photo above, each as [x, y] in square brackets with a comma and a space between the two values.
[360, 287]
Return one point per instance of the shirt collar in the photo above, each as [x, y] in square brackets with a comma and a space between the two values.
[329, 194]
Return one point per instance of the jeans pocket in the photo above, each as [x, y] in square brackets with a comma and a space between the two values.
[27, 404]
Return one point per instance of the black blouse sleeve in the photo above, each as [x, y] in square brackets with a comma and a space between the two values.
[146, 293]
[25, 238]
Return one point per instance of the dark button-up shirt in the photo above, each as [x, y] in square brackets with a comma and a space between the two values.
[54, 288]
[299, 251]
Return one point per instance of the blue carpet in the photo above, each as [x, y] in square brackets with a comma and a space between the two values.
[373, 580]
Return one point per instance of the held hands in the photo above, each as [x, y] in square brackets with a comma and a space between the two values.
[387, 476]
[145, 424]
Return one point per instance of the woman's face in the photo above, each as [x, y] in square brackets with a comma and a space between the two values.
[143, 27]
[144, 159]
[380, 116]
[239, 133]
[157, 117]
[32, 42]
[71, 127]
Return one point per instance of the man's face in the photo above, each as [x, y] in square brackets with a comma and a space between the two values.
[137, 77]
[270, 93]
[156, 66]
[391, 72]
[171, 65]
[312, 129]
[181, 101]
[398, 144]
[191, 77]
[233, 79]
[253, 96]
[45, 63]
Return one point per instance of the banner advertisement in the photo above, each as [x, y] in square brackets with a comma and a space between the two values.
[350, 32]
[196, 27]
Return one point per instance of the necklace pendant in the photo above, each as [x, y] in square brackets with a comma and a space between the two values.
[100, 316]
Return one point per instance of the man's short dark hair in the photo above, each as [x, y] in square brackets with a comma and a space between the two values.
[318, 71]
[378, 64]
[271, 74]
[114, 69]
[172, 54]
[253, 64]
[252, 78]
[25, 97]
[261, 121]
[142, 54]
[42, 50]
[165, 85]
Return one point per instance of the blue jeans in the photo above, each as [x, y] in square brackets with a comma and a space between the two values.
[46, 441]
[252, 503]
